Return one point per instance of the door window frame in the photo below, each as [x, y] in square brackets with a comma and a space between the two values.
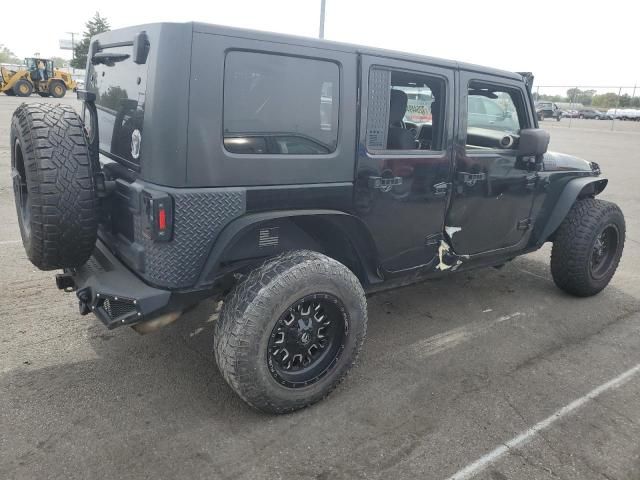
[427, 70]
[466, 79]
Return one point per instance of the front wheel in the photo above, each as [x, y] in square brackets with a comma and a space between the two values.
[57, 89]
[587, 247]
[288, 333]
[22, 88]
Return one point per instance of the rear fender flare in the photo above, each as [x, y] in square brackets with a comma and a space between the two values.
[345, 226]
[573, 190]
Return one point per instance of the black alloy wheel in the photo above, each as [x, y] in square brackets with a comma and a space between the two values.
[604, 251]
[307, 340]
[20, 191]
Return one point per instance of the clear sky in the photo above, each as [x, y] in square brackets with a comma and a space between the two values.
[562, 42]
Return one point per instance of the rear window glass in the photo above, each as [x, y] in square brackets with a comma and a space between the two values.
[276, 104]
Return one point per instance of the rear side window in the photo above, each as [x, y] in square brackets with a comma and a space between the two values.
[277, 104]
[405, 111]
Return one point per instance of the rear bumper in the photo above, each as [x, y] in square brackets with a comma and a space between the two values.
[115, 295]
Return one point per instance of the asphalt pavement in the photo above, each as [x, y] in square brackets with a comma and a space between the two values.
[491, 374]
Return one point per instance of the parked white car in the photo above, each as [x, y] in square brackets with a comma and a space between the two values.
[614, 112]
[624, 113]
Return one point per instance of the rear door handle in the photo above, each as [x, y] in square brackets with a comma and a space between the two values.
[384, 183]
[470, 179]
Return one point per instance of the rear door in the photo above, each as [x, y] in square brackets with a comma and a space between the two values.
[493, 187]
[404, 158]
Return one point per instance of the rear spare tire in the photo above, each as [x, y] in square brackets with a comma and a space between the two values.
[54, 185]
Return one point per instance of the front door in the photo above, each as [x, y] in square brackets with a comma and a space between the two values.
[404, 158]
[493, 187]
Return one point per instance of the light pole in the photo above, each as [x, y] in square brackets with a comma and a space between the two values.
[73, 44]
[322, 7]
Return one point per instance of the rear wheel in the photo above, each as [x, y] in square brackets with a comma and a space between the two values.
[289, 333]
[587, 247]
[43, 94]
[22, 88]
[9, 92]
[57, 89]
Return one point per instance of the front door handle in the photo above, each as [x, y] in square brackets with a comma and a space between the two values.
[441, 189]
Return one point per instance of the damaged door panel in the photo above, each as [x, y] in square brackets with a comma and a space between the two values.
[404, 160]
[494, 185]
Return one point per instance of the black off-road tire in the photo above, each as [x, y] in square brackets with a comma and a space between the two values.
[54, 185]
[57, 89]
[572, 255]
[22, 88]
[10, 92]
[44, 94]
[253, 308]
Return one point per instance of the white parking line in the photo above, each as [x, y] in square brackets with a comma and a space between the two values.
[484, 461]
[9, 242]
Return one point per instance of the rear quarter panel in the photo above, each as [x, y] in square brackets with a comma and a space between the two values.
[209, 164]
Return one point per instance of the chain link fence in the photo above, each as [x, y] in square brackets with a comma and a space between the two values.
[587, 106]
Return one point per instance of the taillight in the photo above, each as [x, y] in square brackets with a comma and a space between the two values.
[162, 219]
[159, 209]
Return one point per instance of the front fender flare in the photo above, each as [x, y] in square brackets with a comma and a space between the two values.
[573, 190]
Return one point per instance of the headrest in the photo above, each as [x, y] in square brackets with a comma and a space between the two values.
[397, 106]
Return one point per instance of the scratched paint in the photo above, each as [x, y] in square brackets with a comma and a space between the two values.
[452, 230]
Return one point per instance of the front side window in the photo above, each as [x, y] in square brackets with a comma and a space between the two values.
[405, 111]
[276, 104]
[495, 116]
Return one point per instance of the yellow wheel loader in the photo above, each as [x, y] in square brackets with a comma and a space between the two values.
[39, 76]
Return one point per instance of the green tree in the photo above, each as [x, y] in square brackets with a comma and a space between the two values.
[59, 62]
[625, 100]
[606, 100]
[7, 56]
[97, 24]
[584, 97]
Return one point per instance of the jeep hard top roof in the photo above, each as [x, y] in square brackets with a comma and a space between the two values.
[207, 28]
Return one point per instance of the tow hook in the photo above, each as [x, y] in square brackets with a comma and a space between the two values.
[84, 300]
[64, 281]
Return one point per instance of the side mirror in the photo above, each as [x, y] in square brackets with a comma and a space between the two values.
[533, 142]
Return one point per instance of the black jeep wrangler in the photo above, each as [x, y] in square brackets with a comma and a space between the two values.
[286, 177]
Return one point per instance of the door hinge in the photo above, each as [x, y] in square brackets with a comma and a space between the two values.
[441, 189]
[524, 224]
[530, 181]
